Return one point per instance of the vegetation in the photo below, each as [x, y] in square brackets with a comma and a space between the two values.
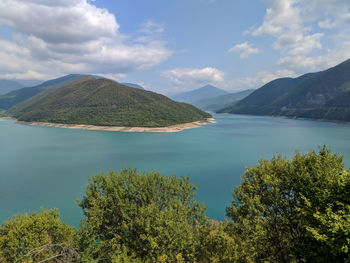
[21, 94]
[282, 209]
[36, 237]
[106, 103]
[147, 216]
[295, 210]
[2, 113]
[321, 95]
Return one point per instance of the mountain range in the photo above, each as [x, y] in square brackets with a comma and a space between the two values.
[211, 98]
[222, 101]
[196, 95]
[14, 97]
[9, 85]
[322, 95]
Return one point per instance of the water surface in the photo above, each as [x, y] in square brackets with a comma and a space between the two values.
[49, 167]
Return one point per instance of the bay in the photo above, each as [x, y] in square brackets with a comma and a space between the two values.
[49, 167]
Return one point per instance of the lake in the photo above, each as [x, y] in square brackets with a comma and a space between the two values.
[49, 167]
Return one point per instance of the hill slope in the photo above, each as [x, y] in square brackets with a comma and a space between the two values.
[19, 95]
[222, 101]
[106, 103]
[196, 95]
[322, 95]
[132, 85]
[9, 85]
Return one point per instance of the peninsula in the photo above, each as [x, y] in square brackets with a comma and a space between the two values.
[103, 104]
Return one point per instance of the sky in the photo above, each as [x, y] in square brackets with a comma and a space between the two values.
[172, 46]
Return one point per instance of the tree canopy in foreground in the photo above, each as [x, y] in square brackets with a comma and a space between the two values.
[295, 210]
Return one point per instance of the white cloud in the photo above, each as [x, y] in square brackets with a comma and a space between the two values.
[258, 80]
[194, 76]
[245, 49]
[58, 21]
[73, 36]
[292, 24]
[327, 24]
[151, 27]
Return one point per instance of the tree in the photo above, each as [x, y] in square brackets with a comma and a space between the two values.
[215, 244]
[145, 215]
[293, 210]
[36, 238]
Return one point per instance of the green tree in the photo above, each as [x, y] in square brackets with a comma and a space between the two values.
[36, 237]
[215, 244]
[144, 215]
[293, 210]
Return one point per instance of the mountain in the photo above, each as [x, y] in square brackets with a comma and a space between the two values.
[132, 85]
[17, 96]
[9, 85]
[222, 101]
[106, 103]
[196, 95]
[29, 82]
[322, 95]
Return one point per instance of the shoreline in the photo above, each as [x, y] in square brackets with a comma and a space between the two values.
[172, 128]
[7, 119]
[292, 118]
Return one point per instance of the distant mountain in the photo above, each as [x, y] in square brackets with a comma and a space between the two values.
[107, 103]
[9, 85]
[197, 95]
[19, 95]
[132, 85]
[322, 95]
[29, 82]
[222, 101]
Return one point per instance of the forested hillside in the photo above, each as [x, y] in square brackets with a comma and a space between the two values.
[106, 103]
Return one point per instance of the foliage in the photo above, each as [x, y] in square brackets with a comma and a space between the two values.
[216, 244]
[293, 211]
[36, 237]
[19, 95]
[2, 113]
[148, 217]
[106, 103]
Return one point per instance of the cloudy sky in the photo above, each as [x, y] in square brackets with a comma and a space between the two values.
[172, 46]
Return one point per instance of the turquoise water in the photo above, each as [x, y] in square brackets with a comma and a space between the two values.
[49, 167]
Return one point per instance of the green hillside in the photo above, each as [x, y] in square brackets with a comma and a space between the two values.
[19, 95]
[321, 95]
[106, 103]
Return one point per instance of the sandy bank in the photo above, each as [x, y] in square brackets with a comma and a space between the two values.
[6, 118]
[173, 128]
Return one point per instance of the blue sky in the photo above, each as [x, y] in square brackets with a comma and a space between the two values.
[173, 46]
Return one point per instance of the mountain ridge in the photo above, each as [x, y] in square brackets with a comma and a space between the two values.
[321, 95]
[196, 95]
[9, 85]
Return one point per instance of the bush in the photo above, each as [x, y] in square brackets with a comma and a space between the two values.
[297, 210]
[149, 216]
[36, 237]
